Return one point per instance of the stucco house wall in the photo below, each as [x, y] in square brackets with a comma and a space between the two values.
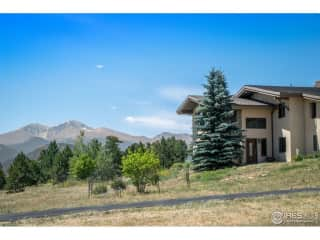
[297, 126]
[312, 126]
[257, 133]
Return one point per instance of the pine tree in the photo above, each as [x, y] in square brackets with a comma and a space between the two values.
[113, 151]
[2, 178]
[218, 138]
[61, 164]
[79, 145]
[46, 161]
[93, 148]
[21, 173]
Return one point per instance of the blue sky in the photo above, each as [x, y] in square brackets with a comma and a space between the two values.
[130, 72]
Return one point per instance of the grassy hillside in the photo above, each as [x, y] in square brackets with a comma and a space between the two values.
[261, 177]
[240, 212]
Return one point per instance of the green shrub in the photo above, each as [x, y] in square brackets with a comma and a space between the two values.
[118, 185]
[100, 189]
[141, 167]
[177, 166]
[298, 158]
[82, 166]
[172, 172]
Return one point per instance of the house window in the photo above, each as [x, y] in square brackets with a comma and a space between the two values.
[313, 110]
[256, 123]
[234, 116]
[282, 145]
[263, 147]
[281, 110]
[315, 143]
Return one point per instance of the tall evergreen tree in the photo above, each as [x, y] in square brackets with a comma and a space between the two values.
[21, 173]
[94, 148]
[134, 147]
[170, 151]
[61, 165]
[46, 160]
[2, 178]
[112, 149]
[108, 159]
[79, 146]
[218, 138]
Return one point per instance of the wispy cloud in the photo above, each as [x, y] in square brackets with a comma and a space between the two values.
[162, 122]
[176, 93]
[114, 107]
[99, 66]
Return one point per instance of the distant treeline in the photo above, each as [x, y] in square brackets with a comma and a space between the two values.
[94, 161]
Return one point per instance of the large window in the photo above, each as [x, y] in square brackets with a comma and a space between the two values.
[281, 110]
[263, 147]
[315, 143]
[256, 123]
[282, 145]
[313, 107]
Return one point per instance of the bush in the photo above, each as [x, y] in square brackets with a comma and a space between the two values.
[82, 166]
[99, 189]
[298, 158]
[118, 185]
[141, 167]
[177, 166]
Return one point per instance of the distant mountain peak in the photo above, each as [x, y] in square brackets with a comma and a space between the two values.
[35, 129]
[75, 124]
[35, 125]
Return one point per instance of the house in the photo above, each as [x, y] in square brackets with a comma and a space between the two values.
[278, 122]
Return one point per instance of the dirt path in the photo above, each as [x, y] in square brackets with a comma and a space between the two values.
[144, 204]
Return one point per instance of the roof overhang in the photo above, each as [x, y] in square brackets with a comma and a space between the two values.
[246, 91]
[311, 97]
[188, 105]
[191, 102]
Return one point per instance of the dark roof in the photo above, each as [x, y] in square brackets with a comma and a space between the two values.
[193, 100]
[235, 100]
[288, 90]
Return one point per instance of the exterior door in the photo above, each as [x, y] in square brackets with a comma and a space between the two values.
[251, 147]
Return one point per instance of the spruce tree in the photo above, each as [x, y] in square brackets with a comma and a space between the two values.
[218, 141]
[46, 161]
[60, 169]
[20, 174]
[2, 178]
[112, 149]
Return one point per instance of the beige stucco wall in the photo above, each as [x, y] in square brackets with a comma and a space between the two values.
[257, 133]
[282, 128]
[292, 126]
[297, 125]
[312, 126]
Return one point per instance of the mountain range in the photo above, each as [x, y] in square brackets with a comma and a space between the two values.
[31, 139]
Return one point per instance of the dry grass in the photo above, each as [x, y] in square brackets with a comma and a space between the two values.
[239, 212]
[261, 177]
